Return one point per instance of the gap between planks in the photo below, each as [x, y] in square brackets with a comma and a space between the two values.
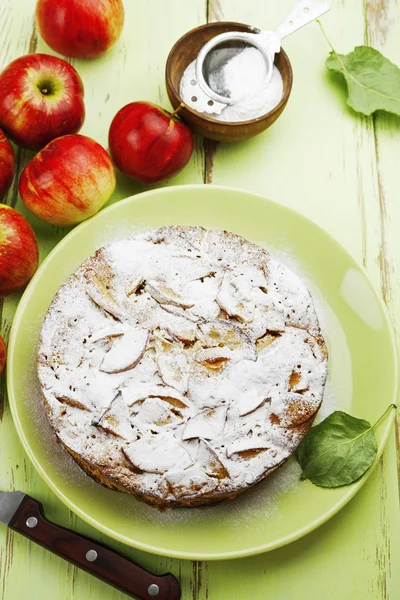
[377, 27]
[214, 13]
[200, 578]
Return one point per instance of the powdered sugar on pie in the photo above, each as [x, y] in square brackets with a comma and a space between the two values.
[182, 365]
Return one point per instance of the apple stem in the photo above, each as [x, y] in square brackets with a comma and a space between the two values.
[178, 108]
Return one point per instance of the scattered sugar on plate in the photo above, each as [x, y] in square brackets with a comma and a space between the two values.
[257, 503]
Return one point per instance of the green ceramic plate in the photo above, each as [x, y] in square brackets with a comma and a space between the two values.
[362, 375]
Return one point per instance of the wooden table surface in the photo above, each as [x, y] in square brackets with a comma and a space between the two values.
[338, 168]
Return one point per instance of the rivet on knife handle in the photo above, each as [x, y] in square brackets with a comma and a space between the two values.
[94, 558]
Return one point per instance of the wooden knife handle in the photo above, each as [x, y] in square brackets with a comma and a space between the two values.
[94, 558]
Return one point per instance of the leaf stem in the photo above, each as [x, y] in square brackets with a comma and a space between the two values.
[382, 417]
[326, 37]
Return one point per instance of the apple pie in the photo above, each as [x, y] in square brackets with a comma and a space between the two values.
[181, 365]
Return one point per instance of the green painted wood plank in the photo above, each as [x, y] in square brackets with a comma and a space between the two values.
[338, 168]
[308, 159]
[382, 32]
[133, 70]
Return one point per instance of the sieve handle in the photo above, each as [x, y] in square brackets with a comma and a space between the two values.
[303, 13]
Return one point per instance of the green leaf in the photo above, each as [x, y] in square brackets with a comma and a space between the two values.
[373, 82]
[339, 450]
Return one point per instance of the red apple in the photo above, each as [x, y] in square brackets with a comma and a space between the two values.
[148, 143]
[18, 251]
[7, 165]
[80, 28]
[68, 181]
[41, 98]
[3, 356]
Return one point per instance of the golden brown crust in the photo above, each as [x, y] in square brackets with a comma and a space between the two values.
[100, 475]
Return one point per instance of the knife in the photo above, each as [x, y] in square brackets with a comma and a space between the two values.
[23, 514]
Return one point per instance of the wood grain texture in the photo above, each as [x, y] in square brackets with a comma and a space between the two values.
[382, 32]
[336, 167]
[133, 70]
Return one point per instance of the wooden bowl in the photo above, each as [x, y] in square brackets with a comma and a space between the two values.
[185, 51]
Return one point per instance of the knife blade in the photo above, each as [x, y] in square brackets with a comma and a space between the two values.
[9, 502]
[24, 514]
